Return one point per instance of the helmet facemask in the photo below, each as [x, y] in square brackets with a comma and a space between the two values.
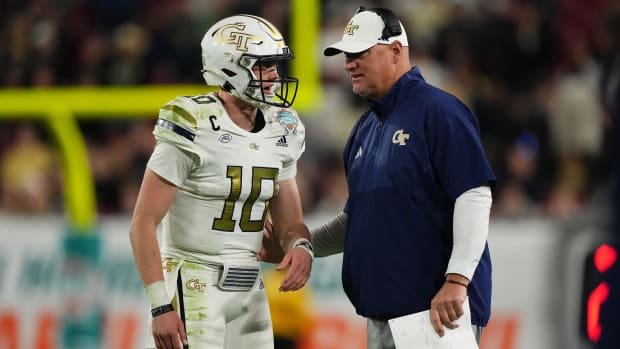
[283, 89]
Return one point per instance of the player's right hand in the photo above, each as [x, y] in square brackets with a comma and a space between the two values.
[168, 331]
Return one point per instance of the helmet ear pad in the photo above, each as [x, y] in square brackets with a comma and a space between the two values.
[230, 76]
[233, 45]
[212, 79]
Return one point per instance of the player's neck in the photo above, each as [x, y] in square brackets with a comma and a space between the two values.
[241, 113]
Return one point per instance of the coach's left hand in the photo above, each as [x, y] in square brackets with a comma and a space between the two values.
[447, 305]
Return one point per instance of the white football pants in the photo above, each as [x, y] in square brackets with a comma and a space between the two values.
[214, 318]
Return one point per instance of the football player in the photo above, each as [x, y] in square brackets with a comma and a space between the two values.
[222, 160]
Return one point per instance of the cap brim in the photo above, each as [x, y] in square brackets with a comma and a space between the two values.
[348, 46]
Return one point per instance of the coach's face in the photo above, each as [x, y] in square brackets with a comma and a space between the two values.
[371, 71]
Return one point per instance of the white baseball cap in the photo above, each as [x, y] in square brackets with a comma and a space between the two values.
[365, 30]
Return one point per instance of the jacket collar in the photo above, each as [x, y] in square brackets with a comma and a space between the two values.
[384, 107]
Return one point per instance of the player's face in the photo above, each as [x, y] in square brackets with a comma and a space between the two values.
[266, 71]
[369, 71]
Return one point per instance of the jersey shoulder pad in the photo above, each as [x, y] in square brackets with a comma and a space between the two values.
[178, 119]
[292, 128]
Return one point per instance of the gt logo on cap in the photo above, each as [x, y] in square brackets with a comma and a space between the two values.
[351, 28]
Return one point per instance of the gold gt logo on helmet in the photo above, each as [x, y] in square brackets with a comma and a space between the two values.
[233, 34]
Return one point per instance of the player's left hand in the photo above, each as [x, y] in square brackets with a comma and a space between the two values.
[299, 264]
[447, 306]
[270, 251]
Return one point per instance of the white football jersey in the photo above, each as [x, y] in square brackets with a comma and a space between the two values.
[228, 176]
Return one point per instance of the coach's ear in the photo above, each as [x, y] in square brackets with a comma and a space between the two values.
[396, 48]
[270, 251]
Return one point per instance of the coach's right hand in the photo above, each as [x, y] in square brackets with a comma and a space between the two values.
[299, 265]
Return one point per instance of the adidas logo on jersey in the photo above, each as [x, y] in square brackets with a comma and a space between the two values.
[282, 142]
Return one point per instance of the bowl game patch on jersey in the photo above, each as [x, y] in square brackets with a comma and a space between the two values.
[288, 120]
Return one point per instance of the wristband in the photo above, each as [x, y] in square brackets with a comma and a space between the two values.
[306, 245]
[157, 294]
[456, 282]
[162, 309]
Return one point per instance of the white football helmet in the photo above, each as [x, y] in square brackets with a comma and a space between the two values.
[233, 45]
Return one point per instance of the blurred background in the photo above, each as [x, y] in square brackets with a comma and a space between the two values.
[81, 82]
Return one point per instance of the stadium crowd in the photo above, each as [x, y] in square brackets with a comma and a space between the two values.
[535, 73]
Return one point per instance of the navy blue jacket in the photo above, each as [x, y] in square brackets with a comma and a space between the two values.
[407, 160]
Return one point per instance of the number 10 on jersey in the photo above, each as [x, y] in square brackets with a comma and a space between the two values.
[259, 174]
